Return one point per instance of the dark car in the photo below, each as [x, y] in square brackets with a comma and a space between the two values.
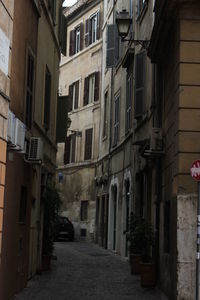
[64, 229]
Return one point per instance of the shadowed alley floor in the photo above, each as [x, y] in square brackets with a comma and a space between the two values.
[87, 272]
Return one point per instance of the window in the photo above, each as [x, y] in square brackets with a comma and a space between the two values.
[70, 149]
[88, 143]
[76, 40]
[128, 102]
[84, 210]
[140, 6]
[47, 99]
[139, 85]
[116, 119]
[91, 88]
[92, 29]
[23, 205]
[105, 115]
[73, 96]
[29, 88]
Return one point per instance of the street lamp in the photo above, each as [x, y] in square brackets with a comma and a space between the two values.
[123, 22]
[76, 132]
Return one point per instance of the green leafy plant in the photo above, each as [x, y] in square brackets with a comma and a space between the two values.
[140, 236]
[52, 203]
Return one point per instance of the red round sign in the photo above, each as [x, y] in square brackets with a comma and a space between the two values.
[195, 170]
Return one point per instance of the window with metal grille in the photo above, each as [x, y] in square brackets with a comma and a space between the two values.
[84, 210]
[88, 143]
[47, 98]
[29, 88]
[116, 119]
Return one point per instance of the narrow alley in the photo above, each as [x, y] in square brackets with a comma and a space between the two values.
[85, 271]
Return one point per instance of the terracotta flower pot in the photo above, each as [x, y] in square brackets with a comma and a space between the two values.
[135, 260]
[148, 274]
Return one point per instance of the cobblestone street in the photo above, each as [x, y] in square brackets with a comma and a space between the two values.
[87, 272]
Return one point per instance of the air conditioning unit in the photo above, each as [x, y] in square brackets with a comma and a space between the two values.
[35, 149]
[20, 130]
[156, 139]
[11, 128]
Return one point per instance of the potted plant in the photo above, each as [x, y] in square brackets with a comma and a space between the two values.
[147, 265]
[51, 201]
[136, 239]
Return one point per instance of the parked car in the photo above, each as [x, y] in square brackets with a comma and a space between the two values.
[64, 229]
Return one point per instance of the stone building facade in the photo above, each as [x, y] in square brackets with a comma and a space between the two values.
[29, 100]
[80, 80]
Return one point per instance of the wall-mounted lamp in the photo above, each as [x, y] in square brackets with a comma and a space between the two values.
[76, 132]
[123, 22]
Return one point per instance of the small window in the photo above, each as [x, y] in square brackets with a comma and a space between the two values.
[92, 29]
[47, 98]
[23, 205]
[70, 149]
[88, 143]
[73, 96]
[84, 210]
[116, 119]
[77, 39]
[91, 88]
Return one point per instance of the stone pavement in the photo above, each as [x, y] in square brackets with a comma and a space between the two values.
[84, 271]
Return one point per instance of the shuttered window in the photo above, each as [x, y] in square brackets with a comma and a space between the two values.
[70, 149]
[91, 88]
[73, 96]
[47, 99]
[139, 85]
[76, 40]
[29, 88]
[129, 96]
[92, 29]
[112, 51]
[88, 143]
[84, 210]
[61, 124]
[116, 119]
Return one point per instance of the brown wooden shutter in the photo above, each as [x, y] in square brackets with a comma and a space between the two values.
[70, 99]
[81, 36]
[76, 94]
[67, 150]
[98, 25]
[86, 91]
[72, 43]
[73, 147]
[139, 85]
[90, 31]
[88, 143]
[87, 33]
[96, 91]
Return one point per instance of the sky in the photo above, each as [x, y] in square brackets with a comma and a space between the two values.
[69, 2]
